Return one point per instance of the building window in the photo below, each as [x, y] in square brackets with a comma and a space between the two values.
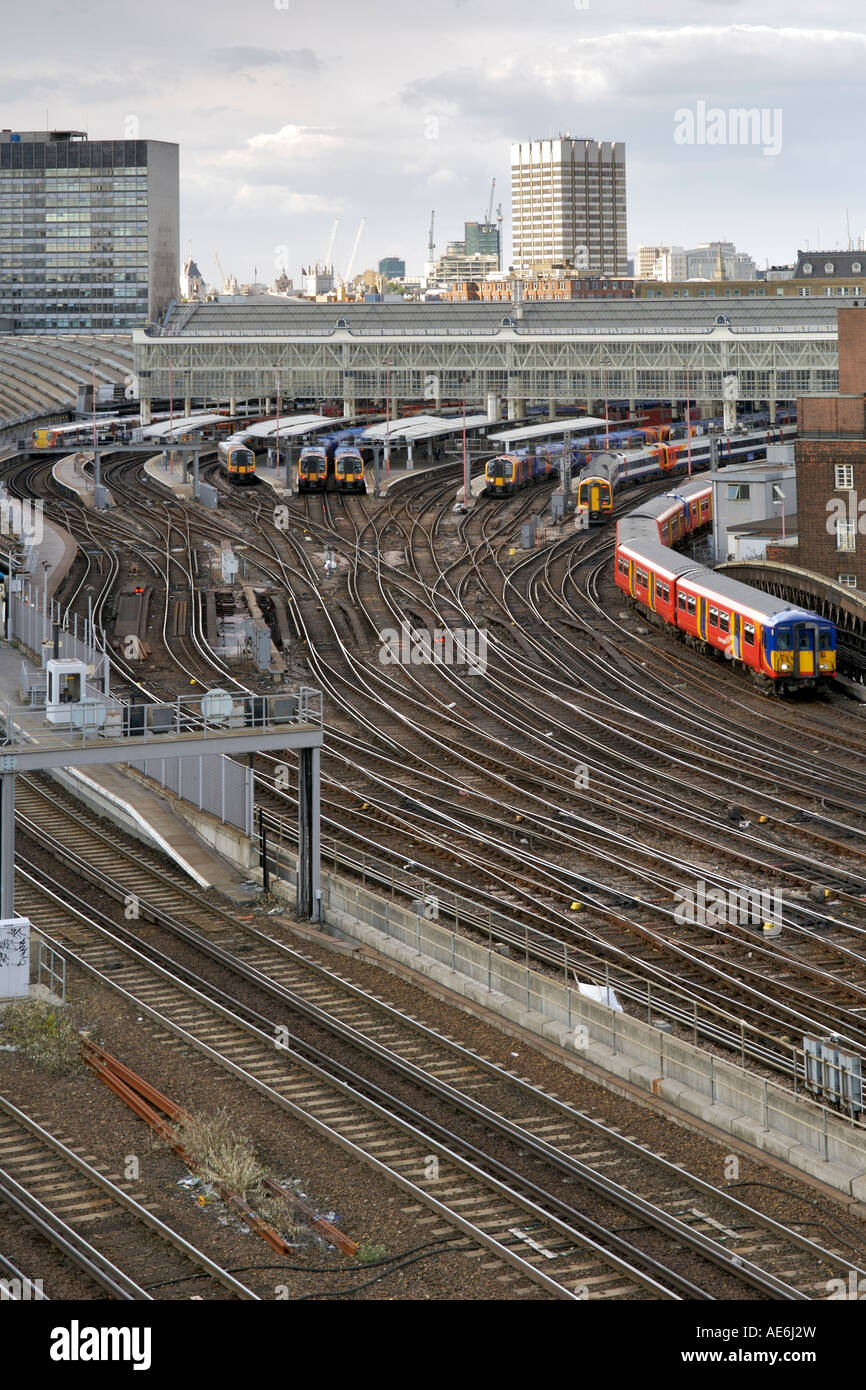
[739, 492]
[848, 581]
[846, 535]
[778, 494]
[843, 474]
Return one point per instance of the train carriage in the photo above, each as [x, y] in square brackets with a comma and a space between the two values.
[237, 460]
[785, 648]
[349, 471]
[313, 470]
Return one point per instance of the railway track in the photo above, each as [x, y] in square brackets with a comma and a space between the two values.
[484, 775]
[614, 1169]
[119, 1243]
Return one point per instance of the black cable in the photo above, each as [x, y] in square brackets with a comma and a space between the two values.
[807, 1201]
[348, 1269]
[340, 1293]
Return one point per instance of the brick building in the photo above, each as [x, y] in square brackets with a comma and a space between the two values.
[830, 456]
[544, 287]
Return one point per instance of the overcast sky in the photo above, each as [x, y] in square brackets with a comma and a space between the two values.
[291, 113]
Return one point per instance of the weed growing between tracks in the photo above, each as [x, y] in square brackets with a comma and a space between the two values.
[219, 1154]
[45, 1034]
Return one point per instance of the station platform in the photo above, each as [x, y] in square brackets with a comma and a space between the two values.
[276, 478]
[70, 476]
[166, 477]
[391, 480]
[51, 558]
[126, 798]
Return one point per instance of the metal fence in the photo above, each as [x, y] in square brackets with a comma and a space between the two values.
[212, 782]
[35, 620]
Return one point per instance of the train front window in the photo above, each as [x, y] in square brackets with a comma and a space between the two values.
[783, 638]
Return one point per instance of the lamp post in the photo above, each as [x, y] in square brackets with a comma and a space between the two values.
[277, 432]
[387, 415]
[606, 410]
[465, 452]
[688, 418]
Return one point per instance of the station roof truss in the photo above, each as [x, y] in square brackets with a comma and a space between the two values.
[589, 350]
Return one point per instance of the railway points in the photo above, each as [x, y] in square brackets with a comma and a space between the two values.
[71, 477]
[449, 794]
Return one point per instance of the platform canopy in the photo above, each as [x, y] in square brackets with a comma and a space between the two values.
[166, 429]
[418, 427]
[552, 429]
[292, 425]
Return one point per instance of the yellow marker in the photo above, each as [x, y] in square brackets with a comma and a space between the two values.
[575, 907]
[518, 818]
[762, 820]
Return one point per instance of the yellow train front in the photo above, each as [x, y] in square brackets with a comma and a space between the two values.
[349, 471]
[596, 486]
[313, 470]
[238, 462]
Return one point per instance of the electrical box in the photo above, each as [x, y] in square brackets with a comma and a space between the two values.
[14, 957]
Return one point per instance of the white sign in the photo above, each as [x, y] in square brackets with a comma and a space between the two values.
[14, 957]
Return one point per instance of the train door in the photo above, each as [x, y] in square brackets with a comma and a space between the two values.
[805, 645]
[702, 618]
[735, 635]
[594, 499]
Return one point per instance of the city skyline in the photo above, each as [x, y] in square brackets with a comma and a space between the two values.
[288, 118]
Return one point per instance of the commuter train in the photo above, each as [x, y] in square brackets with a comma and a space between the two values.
[601, 477]
[313, 469]
[344, 463]
[785, 648]
[349, 470]
[508, 473]
[237, 461]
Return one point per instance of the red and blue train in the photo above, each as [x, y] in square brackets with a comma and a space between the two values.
[785, 648]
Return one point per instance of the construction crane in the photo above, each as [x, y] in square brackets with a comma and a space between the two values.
[351, 265]
[490, 204]
[221, 271]
[431, 248]
[330, 251]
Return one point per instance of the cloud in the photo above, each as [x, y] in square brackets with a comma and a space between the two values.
[240, 57]
[275, 200]
[442, 178]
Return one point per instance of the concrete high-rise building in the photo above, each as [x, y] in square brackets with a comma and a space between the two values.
[568, 202]
[89, 231]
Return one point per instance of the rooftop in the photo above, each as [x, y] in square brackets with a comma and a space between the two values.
[281, 318]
